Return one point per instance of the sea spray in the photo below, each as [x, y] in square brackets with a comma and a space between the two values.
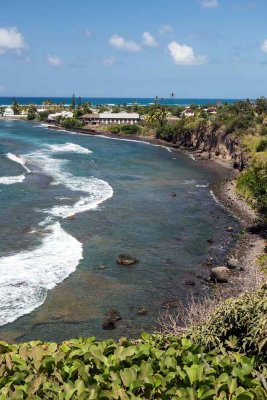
[25, 277]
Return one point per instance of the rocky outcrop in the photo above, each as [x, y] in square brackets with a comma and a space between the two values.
[213, 141]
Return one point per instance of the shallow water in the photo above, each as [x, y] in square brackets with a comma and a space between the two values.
[82, 201]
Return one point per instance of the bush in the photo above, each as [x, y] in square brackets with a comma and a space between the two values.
[253, 184]
[69, 123]
[31, 116]
[130, 129]
[244, 318]
[262, 146]
[150, 368]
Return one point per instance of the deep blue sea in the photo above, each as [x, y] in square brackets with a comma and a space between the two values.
[114, 100]
[70, 204]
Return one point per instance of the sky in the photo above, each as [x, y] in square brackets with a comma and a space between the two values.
[134, 48]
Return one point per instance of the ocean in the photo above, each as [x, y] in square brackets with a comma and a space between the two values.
[71, 203]
[114, 100]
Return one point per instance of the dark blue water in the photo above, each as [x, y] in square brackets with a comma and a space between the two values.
[70, 204]
[115, 100]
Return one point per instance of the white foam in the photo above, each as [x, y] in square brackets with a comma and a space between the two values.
[17, 159]
[96, 190]
[203, 186]
[69, 148]
[25, 277]
[10, 180]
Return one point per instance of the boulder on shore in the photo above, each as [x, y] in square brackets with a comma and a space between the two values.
[124, 259]
[232, 263]
[219, 274]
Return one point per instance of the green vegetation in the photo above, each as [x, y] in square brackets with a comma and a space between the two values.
[252, 183]
[69, 123]
[224, 358]
[126, 129]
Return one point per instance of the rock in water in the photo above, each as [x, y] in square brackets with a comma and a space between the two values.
[219, 274]
[114, 315]
[141, 311]
[109, 324]
[124, 259]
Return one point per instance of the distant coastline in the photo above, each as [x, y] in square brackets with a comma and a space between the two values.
[7, 101]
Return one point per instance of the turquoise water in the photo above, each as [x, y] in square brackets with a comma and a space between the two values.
[70, 204]
[115, 100]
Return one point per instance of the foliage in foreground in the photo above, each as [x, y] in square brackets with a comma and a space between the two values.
[152, 368]
[239, 323]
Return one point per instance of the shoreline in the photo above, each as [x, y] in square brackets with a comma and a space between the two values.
[250, 242]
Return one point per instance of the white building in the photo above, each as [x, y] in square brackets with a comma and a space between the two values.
[8, 112]
[123, 117]
[63, 114]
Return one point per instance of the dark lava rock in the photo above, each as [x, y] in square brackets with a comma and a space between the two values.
[170, 304]
[219, 274]
[232, 263]
[108, 324]
[141, 311]
[209, 262]
[114, 315]
[229, 229]
[174, 194]
[189, 283]
[124, 259]
[210, 241]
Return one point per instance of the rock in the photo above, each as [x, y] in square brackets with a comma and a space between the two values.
[209, 262]
[124, 259]
[210, 241]
[219, 274]
[71, 217]
[174, 194]
[189, 283]
[114, 315]
[102, 267]
[170, 304]
[229, 229]
[232, 263]
[108, 324]
[141, 311]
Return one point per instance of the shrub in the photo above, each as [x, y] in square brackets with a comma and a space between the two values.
[253, 184]
[71, 123]
[130, 129]
[244, 318]
[150, 368]
[262, 146]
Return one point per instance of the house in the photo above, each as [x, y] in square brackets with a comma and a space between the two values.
[188, 112]
[212, 110]
[90, 119]
[63, 114]
[109, 118]
[8, 112]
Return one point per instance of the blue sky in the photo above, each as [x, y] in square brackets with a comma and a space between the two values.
[134, 48]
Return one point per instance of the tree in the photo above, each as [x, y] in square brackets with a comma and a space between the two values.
[157, 114]
[2, 110]
[73, 102]
[15, 106]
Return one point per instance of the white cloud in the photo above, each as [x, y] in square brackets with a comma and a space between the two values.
[120, 43]
[149, 40]
[184, 55]
[109, 61]
[209, 3]
[54, 60]
[264, 46]
[11, 39]
[165, 29]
